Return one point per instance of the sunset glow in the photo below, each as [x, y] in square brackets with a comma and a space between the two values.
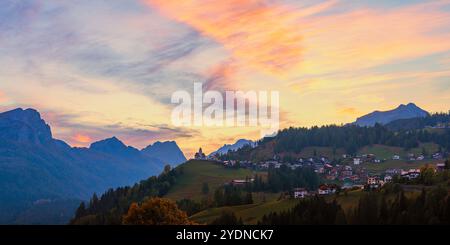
[96, 69]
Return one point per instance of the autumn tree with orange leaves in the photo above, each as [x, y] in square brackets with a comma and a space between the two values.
[156, 211]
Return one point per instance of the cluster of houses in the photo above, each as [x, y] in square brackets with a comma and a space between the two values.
[348, 172]
[324, 189]
[411, 173]
[321, 165]
[420, 157]
[371, 158]
[375, 182]
[365, 158]
[342, 173]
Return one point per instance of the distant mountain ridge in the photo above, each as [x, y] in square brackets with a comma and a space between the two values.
[383, 117]
[168, 152]
[114, 146]
[233, 147]
[24, 126]
[34, 166]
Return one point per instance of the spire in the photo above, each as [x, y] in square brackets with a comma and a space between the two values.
[200, 155]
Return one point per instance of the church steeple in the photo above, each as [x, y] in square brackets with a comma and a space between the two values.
[200, 155]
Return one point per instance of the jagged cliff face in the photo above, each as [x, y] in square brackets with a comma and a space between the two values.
[25, 126]
[34, 166]
[168, 152]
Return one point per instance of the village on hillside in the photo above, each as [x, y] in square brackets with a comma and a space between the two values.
[351, 174]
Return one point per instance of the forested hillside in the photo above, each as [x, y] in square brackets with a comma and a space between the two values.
[349, 138]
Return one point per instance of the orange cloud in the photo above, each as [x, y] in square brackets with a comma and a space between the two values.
[256, 33]
[349, 111]
[83, 139]
[365, 38]
[221, 76]
[2, 97]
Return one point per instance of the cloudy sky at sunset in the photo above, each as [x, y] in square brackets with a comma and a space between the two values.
[101, 68]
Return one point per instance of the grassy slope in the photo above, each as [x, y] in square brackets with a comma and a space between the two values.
[386, 152]
[391, 164]
[250, 214]
[198, 172]
[195, 173]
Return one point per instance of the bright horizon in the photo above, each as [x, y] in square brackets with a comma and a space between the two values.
[97, 69]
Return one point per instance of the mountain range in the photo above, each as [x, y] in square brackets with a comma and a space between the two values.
[168, 152]
[383, 117]
[233, 147]
[35, 168]
[40, 174]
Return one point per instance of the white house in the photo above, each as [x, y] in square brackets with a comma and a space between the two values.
[411, 174]
[440, 166]
[374, 180]
[387, 179]
[356, 161]
[326, 190]
[242, 182]
[300, 193]
[437, 155]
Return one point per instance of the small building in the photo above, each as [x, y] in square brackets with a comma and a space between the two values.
[387, 179]
[354, 178]
[346, 171]
[440, 167]
[396, 157]
[394, 171]
[437, 155]
[330, 177]
[411, 174]
[374, 182]
[230, 163]
[327, 189]
[300, 193]
[240, 182]
[356, 161]
[200, 155]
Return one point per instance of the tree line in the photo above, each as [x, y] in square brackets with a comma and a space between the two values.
[113, 204]
[351, 138]
[285, 179]
[431, 206]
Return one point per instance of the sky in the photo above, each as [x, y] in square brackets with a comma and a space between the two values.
[97, 69]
